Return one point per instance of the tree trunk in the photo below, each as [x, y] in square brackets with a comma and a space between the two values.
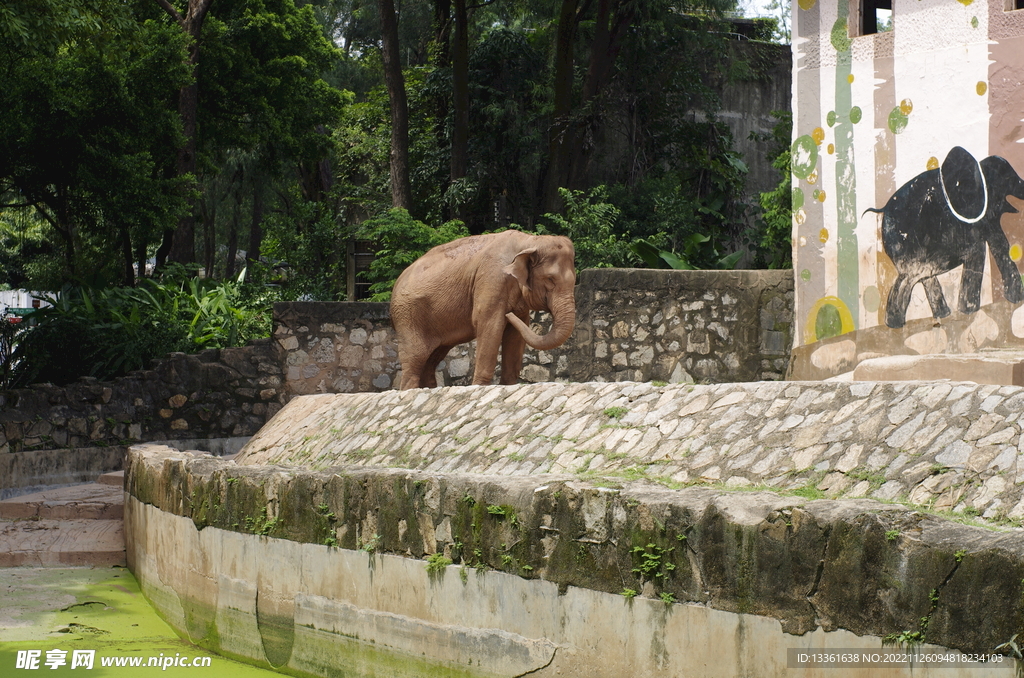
[572, 133]
[229, 269]
[558, 143]
[460, 93]
[256, 226]
[612, 20]
[126, 252]
[140, 256]
[401, 190]
[180, 245]
[208, 211]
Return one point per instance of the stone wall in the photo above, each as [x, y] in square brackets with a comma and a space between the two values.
[216, 394]
[631, 325]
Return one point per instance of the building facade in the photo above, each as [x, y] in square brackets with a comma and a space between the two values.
[908, 145]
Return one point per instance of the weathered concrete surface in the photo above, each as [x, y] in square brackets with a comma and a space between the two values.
[69, 526]
[990, 367]
[90, 501]
[38, 470]
[61, 543]
[757, 572]
[997, 326]
[942, 446]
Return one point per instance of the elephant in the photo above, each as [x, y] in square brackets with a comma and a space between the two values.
[483, 287]
[944, 218]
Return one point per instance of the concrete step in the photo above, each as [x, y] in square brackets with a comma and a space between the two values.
[70, 526]
[61, 543]
[114, 479]
[78, 502]
[1002, 367]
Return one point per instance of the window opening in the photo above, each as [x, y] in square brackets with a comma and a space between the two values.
[876, 16]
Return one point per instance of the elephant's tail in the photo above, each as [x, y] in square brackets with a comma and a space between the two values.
[873, 209]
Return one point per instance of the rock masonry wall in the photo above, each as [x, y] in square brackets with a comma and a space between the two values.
[938, 445]
[218, 393]
[631, 325]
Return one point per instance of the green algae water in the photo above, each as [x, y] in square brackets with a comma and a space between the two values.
[95, 622]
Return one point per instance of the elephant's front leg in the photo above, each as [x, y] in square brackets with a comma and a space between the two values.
[512, 347]
[488, 339]
[1013, 290]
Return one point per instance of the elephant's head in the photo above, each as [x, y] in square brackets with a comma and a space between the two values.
[975, 189]
[545, 272]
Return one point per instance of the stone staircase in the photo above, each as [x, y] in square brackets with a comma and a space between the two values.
[79, 525]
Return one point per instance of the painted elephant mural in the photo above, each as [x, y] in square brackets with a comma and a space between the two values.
[944, 218]
[483, 287]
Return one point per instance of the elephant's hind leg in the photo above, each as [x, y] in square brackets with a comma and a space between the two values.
[414, 354]
[428, 375]
[971, 279]
[933, 290]
[898, 300]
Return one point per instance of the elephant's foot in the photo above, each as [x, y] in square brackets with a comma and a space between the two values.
[894, 319]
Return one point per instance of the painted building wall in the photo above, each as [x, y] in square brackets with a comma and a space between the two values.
[906, 153]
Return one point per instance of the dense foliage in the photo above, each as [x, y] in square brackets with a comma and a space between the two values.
[107, 332]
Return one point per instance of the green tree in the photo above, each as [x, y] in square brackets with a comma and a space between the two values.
[85, 145]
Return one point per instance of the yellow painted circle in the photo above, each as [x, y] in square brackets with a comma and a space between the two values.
[831, 149]
[849, 78]
[982, 87]
[821, 196]
[823, 235]
[933, 163]
[845, 318]
[1015, 252]
[818, 135]
[806, 4]
[800, 217]
[906, 106]
[812, 178]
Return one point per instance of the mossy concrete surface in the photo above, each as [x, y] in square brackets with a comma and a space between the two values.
[99, 609]
[283, 564]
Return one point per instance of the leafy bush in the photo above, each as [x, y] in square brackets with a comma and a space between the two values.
[589, 222]
[775, 239]
[400, 240]
[108, 332]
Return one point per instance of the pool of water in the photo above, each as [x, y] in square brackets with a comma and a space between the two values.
[62, 621]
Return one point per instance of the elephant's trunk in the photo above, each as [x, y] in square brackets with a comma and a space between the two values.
[564, 315]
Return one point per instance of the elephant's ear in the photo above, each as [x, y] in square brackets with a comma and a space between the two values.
[963, 185]
[520, 267]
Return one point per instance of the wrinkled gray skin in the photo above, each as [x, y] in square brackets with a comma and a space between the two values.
[483, 287]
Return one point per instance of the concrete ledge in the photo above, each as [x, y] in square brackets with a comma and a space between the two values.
[308, 570]
[995, 367]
